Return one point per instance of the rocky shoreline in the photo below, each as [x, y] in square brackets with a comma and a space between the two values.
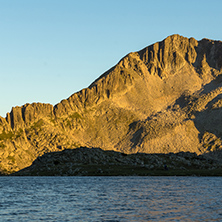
[97, 162]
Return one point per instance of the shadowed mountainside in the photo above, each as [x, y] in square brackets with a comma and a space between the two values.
[164, 98]
[94, 161]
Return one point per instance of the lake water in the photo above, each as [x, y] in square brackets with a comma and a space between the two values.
[110, 199]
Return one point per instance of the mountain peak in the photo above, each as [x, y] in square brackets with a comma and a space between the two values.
[163, 98]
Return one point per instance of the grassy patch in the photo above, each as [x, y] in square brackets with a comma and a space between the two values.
[11, 158]
[4, 135]
[19, 133]
[2, 145]
[68, 123]
[38, 124]
[75, 116]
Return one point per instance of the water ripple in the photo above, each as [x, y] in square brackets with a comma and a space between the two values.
[110, 199]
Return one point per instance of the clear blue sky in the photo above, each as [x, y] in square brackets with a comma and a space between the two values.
[50, 49]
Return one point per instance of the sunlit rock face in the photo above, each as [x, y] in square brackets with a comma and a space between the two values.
[165, 98]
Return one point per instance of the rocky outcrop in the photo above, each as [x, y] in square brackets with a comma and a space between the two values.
[20, 117]
[164, 98]
[94, 161]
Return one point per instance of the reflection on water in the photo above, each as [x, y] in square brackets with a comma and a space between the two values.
[111, 199]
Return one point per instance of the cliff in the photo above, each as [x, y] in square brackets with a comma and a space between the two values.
[164, 98]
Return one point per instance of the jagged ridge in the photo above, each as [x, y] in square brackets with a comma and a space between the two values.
[164, 98]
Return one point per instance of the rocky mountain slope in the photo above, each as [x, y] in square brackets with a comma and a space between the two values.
[97, 162]
[165, 98]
